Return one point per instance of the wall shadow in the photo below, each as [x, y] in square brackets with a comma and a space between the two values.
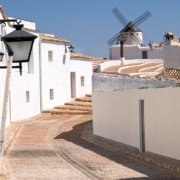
[153, 173]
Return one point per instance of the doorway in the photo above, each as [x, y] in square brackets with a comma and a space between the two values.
[73, 84]
[144, 54]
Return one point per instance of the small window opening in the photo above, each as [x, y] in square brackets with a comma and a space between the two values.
[82, 81]
[51, 94]
[27, 96]
[50, 56]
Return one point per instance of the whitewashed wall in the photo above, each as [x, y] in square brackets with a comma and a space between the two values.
[136, 40]
[112, 120]
[135, 52]
[116, 116]
[172, 56]
[82, 68]
[29, 81]
[54, 75]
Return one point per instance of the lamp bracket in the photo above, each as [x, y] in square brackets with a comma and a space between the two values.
[3, 21]
[14, 67]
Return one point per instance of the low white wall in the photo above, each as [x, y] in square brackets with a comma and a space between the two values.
[111, 119]
[105, 65]
[116, 116]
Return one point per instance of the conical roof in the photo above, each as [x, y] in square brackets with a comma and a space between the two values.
[131, 27]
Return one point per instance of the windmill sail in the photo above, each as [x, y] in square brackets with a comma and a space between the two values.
[114, 39]
[142, 18]
[120, 16]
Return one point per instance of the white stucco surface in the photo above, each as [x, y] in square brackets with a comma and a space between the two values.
[81, 68]
[172, 56]
[116, 116]
[135, 52]
[54, 75]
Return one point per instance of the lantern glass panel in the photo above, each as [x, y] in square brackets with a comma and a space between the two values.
[21, 49]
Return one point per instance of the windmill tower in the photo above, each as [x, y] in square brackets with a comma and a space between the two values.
[130, 34]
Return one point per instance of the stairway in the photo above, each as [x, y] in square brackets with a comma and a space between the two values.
[80, 106]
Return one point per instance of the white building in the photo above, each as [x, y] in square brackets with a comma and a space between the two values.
[46, 79]
[172, 51]
[63, 75]
[137, 52]
[133, 46]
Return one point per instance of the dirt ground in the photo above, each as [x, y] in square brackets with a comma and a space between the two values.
[51, 148]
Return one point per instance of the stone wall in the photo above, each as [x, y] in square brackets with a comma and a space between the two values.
[112, 82]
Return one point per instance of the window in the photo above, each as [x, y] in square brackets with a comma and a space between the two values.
[82, 80]
[51, 94]
[50, 56]
[27, 96]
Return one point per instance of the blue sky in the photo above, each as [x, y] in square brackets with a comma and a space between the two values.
[90, 23]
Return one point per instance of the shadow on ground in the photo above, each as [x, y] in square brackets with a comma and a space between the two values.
[75, 136]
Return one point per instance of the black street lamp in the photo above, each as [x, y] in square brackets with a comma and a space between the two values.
[20, 42]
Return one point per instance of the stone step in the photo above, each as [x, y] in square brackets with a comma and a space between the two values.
[69, 107]
[79, 103]
[70, 112]
[84, 99]
[88, 95]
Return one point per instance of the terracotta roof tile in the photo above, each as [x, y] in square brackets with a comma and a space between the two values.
[53, 39]
[170, 73]
[80, 56]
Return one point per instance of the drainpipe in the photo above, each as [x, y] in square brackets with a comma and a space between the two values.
[40, 76]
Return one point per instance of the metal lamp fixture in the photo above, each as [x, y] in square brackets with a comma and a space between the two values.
[1, 56]
[71, 48]
[20, 42]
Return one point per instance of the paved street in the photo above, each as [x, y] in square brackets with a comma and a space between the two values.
[51, 148]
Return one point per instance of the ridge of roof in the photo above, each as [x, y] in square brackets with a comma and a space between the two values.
[53, 39]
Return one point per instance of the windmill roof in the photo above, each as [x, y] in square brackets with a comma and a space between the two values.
[131, 27]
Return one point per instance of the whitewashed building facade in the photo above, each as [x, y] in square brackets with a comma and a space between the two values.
[46, 79]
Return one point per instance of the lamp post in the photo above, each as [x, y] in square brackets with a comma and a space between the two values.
[19, 45]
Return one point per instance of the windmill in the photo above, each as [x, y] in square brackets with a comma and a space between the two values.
[130, 34]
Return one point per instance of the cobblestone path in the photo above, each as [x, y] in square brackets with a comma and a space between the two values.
[51, 148]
